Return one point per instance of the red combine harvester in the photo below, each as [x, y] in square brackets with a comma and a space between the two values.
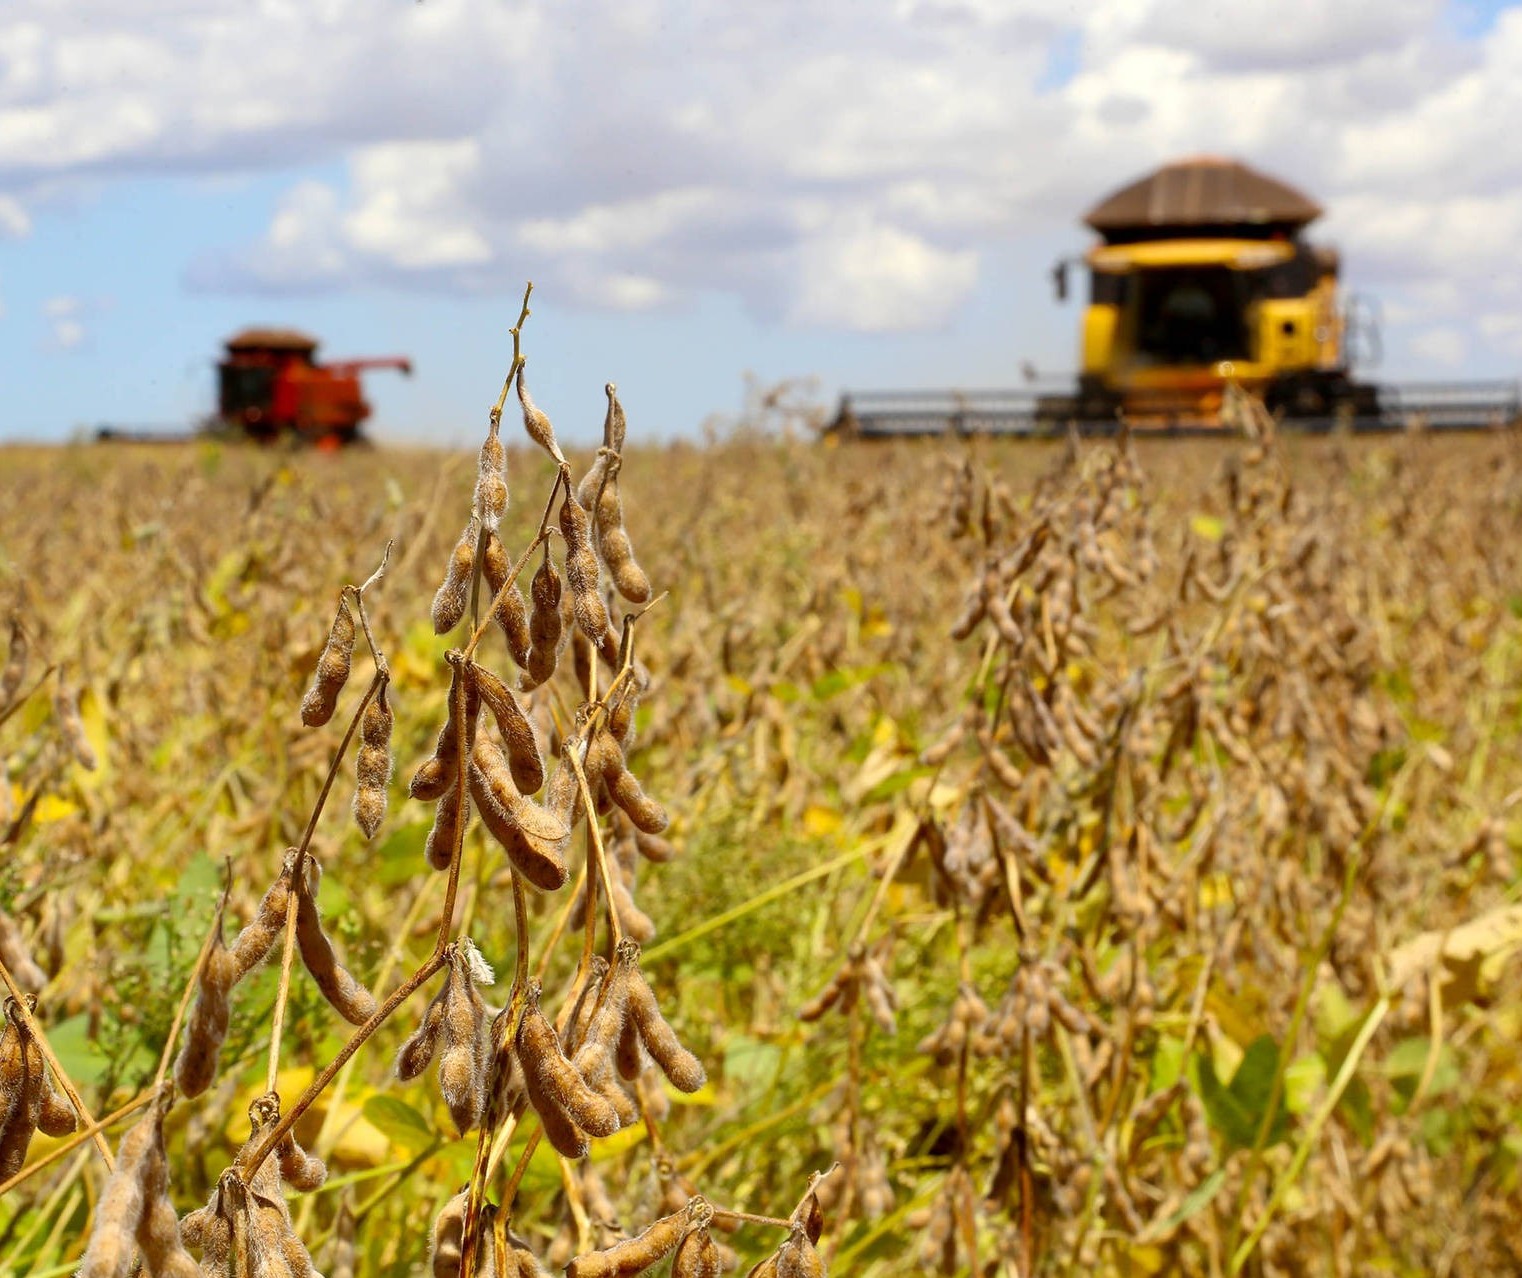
[270, 386]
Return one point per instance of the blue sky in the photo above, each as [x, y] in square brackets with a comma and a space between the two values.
[867, 194]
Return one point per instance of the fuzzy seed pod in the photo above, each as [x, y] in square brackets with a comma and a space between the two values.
[581, 570]
[617, 551]
[300, 1170]
[372, 764]
[66, 710]
[448, 1238]
[678, 1064]
[439, 774]
[533, 837]
[536, 423]
[349, 998]
[654, 848]
[255, 941]
[697, 1255]
[640, 1252]
[605, 760]
[462, 1063]
[28, 1100]
[614, 426]
[113, 1234]
[546, 625]
[13, 948]
[15, 664]
[552, 1082]
[517, 730]
[594, 1058]
[591, 483]
[454, 593]
[511, 612]
[196, 1065]
[490, 502]
[449, 817]
[417, 1052]
[332, 669]
[796, 1258]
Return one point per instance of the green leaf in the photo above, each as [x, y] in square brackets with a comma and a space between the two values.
[1236, 1110]
[750, 1062]
[77, 1052]
[401, 1124]
[400, 854]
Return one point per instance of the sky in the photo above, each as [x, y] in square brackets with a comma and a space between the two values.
[869, 194]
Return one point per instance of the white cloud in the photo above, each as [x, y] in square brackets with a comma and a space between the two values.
[830, 163]
[14, 220]
[1443, 346]
[65, 318]
[875, 278]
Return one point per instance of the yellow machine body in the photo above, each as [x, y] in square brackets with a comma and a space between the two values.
[1171, 322]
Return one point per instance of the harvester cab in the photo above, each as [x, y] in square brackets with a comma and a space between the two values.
[270, 385]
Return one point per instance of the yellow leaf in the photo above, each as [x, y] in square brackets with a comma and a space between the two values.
[53, 808]
[820, 821]
[1215, 889]
[1468, 958]
[1208, 527]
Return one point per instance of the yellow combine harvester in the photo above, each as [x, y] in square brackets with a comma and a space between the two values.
[1202, 280]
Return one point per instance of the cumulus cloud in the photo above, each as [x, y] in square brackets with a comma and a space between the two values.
[830, 164]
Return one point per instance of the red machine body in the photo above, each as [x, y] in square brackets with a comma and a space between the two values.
[270, 385]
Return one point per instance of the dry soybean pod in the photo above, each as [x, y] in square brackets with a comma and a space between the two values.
[66, 709]
[12, 1079]
[349, 998]
[490, 501]
[462, 1074]
[372, 765]
[298, 1169]
[196, 1065]
[437, 775]
[417, 1052]
[581, 570]
[523, 753]
[539, 1052]
[697, 1255]
[13, 948]
[533, 838]
[454, 593]
[536, 423]
[624, 788]
[113, 1234]
[450, 814]
[594, 1057]
[511, 612]
[637, 1253]
[545, 624]
[15, 664]
[630, 580]
[253, 944]
[678, 1064]
[534, 1062]
[332, 669]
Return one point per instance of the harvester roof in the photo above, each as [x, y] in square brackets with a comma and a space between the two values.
[1202, 191]
[271, 339]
